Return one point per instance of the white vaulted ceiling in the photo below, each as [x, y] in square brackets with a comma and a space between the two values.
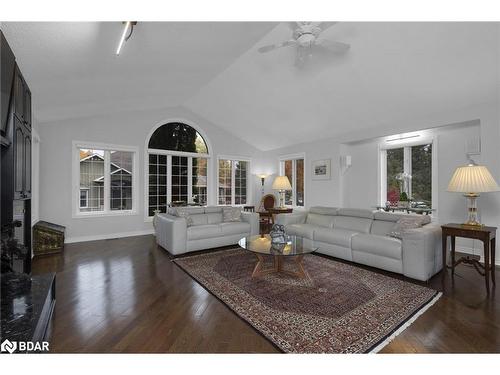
[72, 69]
[393, 72]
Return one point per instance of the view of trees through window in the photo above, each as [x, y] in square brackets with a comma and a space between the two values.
[294, 170]
[409, 170]
[232, 187]
[176, 177]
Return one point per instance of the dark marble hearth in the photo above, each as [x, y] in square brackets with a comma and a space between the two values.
[27, 303]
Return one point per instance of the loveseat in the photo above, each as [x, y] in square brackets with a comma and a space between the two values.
[365, 237]
[202, 228]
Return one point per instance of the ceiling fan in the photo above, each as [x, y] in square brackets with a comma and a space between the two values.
[305, 37]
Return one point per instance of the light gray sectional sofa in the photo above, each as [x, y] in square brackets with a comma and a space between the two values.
[208, 230]
[363, 236]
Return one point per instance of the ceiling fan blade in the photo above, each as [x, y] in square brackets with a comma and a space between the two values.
[333, 46]
[292, 25]
[272, 47]
[325, 25]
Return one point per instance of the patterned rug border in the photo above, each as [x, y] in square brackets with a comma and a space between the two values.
[384, 341]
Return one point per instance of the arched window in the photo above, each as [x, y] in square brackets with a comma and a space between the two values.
[178, 167]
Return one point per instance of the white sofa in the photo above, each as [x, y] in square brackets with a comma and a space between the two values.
[362, 236]
[207, 231]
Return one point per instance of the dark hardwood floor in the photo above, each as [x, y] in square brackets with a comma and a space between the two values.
[125, 295]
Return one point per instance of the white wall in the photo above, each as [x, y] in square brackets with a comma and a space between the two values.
[127, 129]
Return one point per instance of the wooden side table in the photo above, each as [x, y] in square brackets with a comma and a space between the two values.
[278, 210]
[485, 234]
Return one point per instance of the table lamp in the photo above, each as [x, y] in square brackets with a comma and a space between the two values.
[282, 184]
[472, 180]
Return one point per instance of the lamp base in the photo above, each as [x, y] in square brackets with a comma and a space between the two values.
[472, 219]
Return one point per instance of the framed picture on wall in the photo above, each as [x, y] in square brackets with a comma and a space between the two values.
[321, 169]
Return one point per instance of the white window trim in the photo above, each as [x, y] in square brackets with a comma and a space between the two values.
[86, 190]
[294, 157]
[233, 186]
[169, 154]
[147, 151]
[407, 168]
[76, 146]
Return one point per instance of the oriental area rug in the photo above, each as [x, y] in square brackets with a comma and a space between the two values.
[341, 308]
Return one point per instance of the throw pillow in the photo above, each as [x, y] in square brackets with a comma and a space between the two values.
[405, 223]
[183, 213]
[231, 214]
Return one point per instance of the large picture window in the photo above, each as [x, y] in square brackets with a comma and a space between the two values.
[293, 168]
[408, 175]
[105, 178]
[233, 182]
[177, 169]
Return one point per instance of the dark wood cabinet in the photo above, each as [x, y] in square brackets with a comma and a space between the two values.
[22, 160]
[16, 115]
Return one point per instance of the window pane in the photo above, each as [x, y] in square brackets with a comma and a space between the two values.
[421, 183]
[299, 181]
[225, 182]
[158, 184]
[289, 173]
[121, 180]
[395, 166]
[92, 179]
[176, 136]
[240, 183]
[179, 179]
[199, 181]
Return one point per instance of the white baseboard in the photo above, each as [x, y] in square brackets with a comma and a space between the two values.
[108, 236]
[470, 250]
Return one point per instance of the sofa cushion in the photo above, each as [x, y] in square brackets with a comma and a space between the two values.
[301, 230]
[199, 232]
[355, 212]
[231, 214]
[200, 219]
[213, 209]
[357, 224]
[189, 210]
[320, 220]
[378, 245]
[235, 228]
[182, 212]
[214, 218]
[341, 237]
[382, 228]
[406, 223]
[395, 216]
[332, 211]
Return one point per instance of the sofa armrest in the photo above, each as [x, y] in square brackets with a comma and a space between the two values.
[253, 219]
[293, 218]
[171, 233]
[422, 254]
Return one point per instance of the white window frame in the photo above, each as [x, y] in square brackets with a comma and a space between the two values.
[233, 158]
[86, 190]
[106, 147]
[169, 154]
[407, 167]
[294, 158]
[147, 151]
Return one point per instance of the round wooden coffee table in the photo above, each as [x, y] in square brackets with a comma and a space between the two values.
[295, 248]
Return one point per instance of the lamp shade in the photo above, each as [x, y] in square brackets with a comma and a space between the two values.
[472, 179]
[281, 183]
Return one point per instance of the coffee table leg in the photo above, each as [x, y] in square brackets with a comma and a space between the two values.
[259, 266]
[301, 271]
